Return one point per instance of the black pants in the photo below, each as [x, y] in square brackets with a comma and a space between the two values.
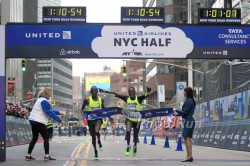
[50, 132]
[94, 127]
[136, 128]
[36, 129]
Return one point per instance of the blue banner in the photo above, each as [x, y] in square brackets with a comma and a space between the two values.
[107, 112]
[127, 41]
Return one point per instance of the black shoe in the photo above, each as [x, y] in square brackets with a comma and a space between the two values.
[188, 160]
[48, 158]
[29, 158]
[96, 156]
[134, 151]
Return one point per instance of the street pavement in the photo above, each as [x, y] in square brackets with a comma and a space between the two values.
[78, 151]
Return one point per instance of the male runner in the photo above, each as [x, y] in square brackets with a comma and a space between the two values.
[104, 127]
[94, 102]
[133, 104]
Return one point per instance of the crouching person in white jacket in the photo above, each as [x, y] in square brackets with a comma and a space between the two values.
[38, 118]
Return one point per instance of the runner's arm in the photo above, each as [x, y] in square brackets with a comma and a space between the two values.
[123, 97]
[141, 98]
[84, 104]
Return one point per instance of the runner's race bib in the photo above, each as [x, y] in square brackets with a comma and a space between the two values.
[132, 106]
[132, 114]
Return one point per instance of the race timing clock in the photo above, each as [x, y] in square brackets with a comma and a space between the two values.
[64, 14]
[219, 16]
[142, 15]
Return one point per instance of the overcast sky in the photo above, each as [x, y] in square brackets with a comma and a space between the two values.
[99, 11]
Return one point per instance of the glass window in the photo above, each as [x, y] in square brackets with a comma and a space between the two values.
[141, 88]
[124, 88]
[136, 88]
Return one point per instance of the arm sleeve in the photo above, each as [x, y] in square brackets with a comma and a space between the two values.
[141, 98]
[48, 110]
[124, 98]
[56, 112]
[185, 109]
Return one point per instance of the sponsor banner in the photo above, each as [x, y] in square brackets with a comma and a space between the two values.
[8, 134]
[107, 112]
[126, 41]
[217, 136]
[202, 136]
[18, 131]
[247, 145]
[229, 136]
[195, 136]
[223, 137]
[227, 106]
[235, 137]
[213, 130]
[207, 136]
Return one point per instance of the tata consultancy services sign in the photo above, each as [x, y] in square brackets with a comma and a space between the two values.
[126, 41]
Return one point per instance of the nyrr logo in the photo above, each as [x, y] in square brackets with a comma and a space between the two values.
[132, 53]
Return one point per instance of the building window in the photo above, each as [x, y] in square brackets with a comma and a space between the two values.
[124, 88]
[141, 88]
[136, 89]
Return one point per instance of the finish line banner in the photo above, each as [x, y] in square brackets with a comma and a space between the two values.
[107, 112]
[126, 41]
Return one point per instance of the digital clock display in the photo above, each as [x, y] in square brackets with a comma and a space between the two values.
[142, 15]
[220, 15]
[64, 14]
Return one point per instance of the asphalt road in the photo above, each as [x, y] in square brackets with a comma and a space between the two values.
[78, 151]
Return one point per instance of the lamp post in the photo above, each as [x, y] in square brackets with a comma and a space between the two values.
[33, 86]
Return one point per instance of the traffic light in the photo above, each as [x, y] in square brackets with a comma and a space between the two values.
[53, 102]
[124, 71]
[23, 65]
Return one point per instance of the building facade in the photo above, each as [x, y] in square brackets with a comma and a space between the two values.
[120, 84]
[100, 80]
[33, 9]
[245, 10]
[56, 74]
[12, 11]
[176, 11]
